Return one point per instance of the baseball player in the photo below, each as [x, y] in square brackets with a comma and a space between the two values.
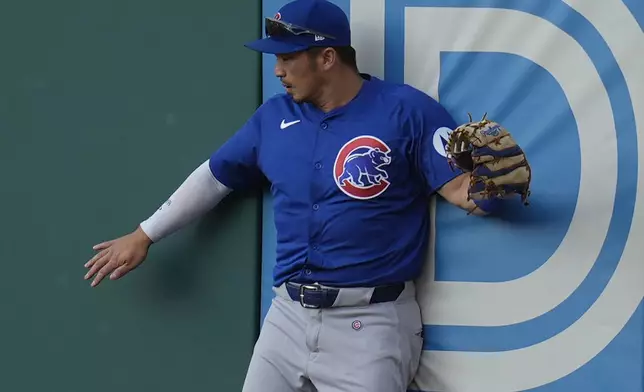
[351, 162]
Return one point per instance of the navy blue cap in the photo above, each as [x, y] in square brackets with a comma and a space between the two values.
[302, 24]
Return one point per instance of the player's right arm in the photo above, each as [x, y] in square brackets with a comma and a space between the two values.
[232, 167]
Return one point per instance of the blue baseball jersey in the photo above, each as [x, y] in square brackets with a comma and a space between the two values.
[350, 187]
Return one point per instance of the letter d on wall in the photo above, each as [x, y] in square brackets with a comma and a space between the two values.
[596, 258]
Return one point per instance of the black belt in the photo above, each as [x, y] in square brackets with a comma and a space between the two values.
[314, 296]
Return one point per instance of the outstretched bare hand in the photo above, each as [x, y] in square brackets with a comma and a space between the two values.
[118, 257]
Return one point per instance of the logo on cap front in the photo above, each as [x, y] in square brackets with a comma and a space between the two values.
[278, 16]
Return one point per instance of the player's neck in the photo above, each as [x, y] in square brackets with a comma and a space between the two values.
[340, 91]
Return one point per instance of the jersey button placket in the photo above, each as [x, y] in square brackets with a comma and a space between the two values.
[317, 164]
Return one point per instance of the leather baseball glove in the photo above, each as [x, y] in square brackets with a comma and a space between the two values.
[498, 165]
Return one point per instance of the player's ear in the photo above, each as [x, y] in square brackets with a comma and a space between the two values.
[329, 57]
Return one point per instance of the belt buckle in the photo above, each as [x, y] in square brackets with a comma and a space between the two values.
[311, 287]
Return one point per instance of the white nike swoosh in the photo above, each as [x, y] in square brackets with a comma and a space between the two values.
[285, 125]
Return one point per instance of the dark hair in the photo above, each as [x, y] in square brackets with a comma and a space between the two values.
[347, 54]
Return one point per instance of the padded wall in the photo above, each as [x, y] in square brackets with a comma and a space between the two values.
[549, 297]
[105, 108]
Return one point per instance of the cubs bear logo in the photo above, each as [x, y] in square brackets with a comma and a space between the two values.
[358, 168]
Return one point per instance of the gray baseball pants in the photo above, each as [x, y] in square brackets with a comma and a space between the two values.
[345, 348]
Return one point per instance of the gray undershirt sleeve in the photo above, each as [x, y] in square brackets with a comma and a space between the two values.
[199, 193]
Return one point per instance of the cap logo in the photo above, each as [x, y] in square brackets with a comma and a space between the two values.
[278, 16]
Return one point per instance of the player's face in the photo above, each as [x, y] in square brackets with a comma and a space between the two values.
[299, 74]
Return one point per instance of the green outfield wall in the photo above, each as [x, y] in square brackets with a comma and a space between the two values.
[105, 107]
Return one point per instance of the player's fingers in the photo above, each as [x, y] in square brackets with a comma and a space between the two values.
[97, 263]
[102, 245]
[121, 271]
[103, 272]
[96, 257]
